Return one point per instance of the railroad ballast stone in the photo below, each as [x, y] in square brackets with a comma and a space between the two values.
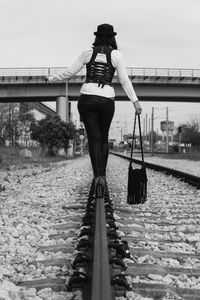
[35, 200]
[170, 201]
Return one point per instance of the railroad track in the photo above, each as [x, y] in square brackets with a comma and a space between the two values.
[189, 178]
[127, 251]
[97, 270]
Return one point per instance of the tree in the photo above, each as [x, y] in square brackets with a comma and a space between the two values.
[8, 121]
[53, 132]
[190, 133]
[23, 127]
[15, 119]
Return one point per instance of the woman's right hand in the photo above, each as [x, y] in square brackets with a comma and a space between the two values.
[138, 108]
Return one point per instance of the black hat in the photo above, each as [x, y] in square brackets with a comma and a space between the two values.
[105, 30]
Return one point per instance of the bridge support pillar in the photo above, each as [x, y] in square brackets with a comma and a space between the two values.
[62, 106]
[63, 110]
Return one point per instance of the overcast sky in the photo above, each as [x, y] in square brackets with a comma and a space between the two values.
[150, 33]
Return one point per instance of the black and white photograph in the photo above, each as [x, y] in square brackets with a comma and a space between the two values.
[99, 150]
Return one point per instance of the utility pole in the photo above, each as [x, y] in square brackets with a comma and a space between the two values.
[152, 128]
[143, 133]
[146, 129]
[157, 138]
[167, 130]
[149, 134]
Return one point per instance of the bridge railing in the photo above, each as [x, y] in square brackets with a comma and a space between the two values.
[146, 72]
[23, 72]
[164, 72]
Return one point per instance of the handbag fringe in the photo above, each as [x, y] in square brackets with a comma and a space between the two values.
[137, 185]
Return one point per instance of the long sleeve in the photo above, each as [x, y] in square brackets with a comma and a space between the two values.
[124, 79]
[71, 71]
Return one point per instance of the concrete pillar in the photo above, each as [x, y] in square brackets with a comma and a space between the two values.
[67, 104]
[62, 109]
[62, 106]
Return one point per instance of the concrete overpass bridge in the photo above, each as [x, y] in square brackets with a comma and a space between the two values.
[151, 84]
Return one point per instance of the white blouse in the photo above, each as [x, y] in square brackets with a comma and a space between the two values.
[92, 88]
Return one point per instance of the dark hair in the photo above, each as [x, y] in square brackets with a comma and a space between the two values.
[105, 41]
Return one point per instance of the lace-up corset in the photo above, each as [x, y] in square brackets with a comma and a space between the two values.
[100, 69]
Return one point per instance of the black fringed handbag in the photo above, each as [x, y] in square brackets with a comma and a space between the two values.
[137, 178]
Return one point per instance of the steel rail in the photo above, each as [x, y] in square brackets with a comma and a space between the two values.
[189, 178]
[101, 282]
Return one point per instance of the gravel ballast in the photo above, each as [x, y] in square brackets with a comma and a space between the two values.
[33, 198]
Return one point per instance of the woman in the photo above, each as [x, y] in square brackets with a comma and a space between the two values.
[96, 103]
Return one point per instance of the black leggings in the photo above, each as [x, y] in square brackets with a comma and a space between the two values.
[97, 113]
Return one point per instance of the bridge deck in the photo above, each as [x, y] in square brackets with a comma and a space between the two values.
[158, 84]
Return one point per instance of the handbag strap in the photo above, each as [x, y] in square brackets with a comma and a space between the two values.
[132, 145]
[141, 145]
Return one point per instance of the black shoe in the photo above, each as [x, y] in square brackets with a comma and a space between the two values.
[99, 186]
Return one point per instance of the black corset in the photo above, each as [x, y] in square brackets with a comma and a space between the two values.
[100, 72]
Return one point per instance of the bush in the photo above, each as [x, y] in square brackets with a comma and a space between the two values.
[2, 141]
[175, 148]
[53, 133]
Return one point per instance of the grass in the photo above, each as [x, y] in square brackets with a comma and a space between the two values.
[10, 156]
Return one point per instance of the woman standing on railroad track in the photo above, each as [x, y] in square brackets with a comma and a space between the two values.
[96, 103]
